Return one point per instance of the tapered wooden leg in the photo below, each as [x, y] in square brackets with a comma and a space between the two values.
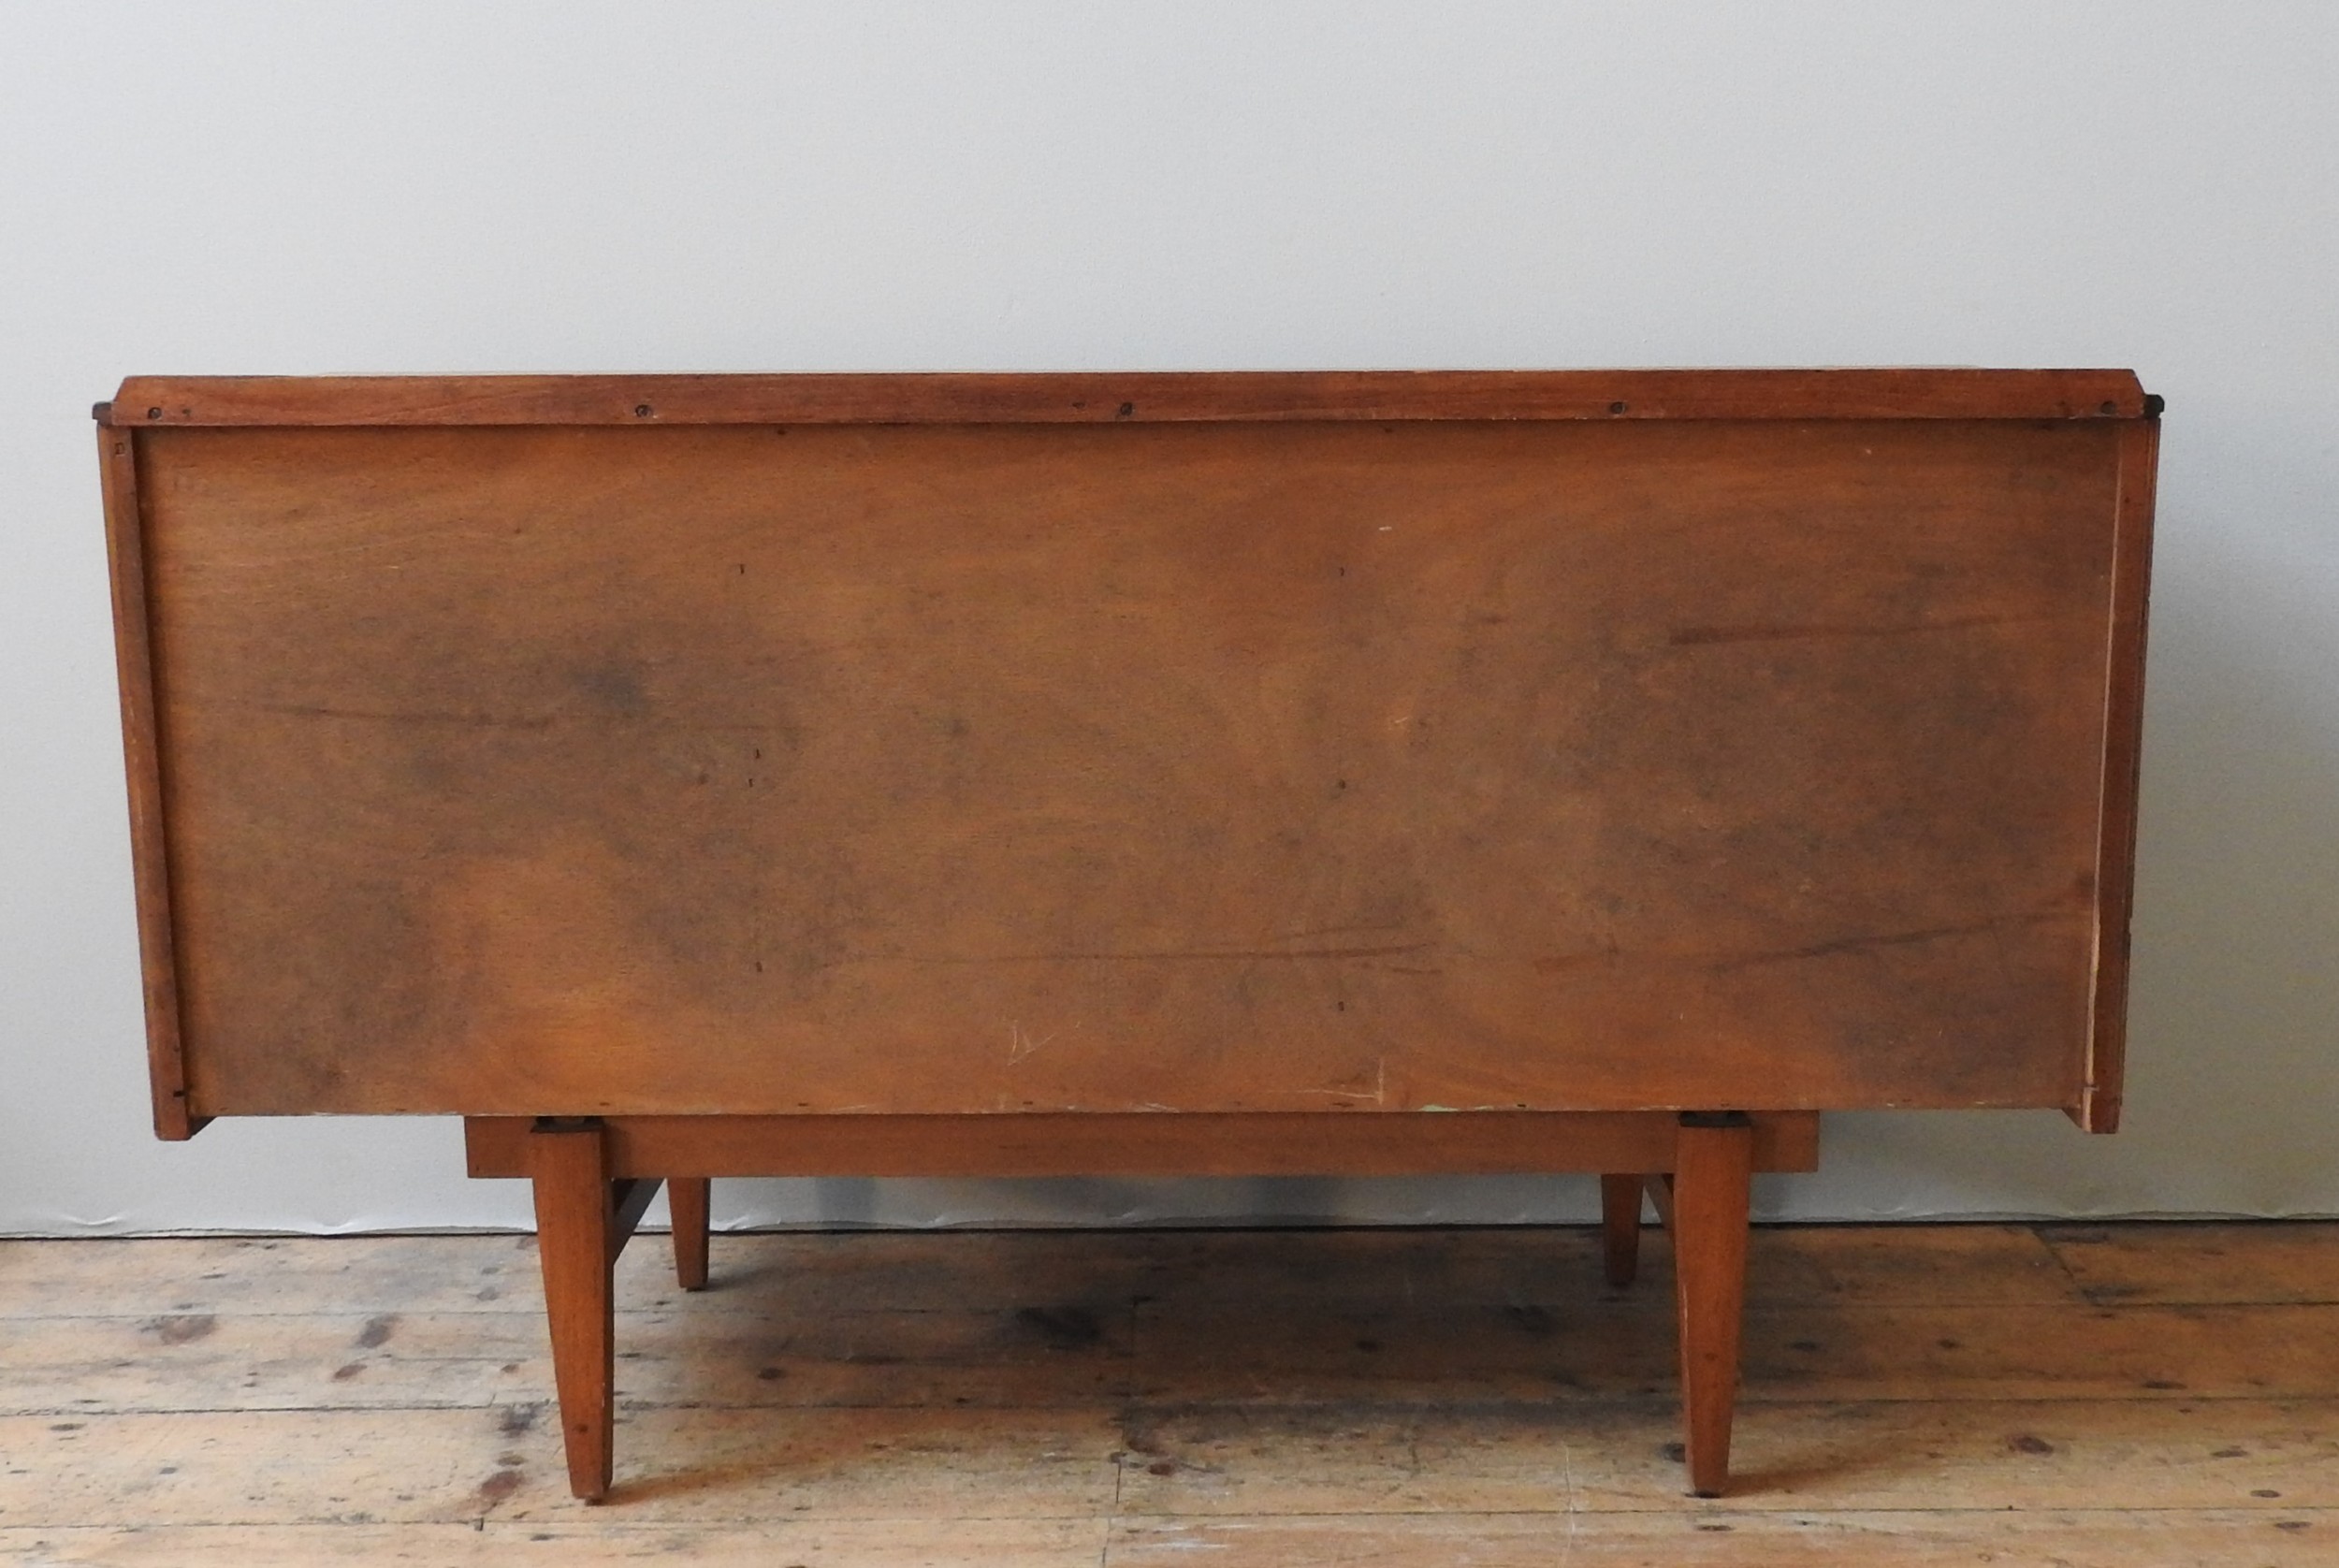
[1660, 1190]
[576, 1238]
[685, 1199]
[1709, 1224]
[1619, 1225]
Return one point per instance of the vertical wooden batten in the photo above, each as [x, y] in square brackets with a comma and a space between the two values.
[125, 548]
[2101, 1084]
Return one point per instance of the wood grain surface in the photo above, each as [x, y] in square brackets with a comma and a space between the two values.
[1142, 1397]
[1209, 767]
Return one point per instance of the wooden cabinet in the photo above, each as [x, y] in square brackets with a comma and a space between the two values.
[687, 777]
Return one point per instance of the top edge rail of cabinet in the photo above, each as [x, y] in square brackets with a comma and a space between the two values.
[1136, 397]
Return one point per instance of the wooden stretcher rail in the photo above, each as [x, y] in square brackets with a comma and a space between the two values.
[1076, 398]
[1351, 1143]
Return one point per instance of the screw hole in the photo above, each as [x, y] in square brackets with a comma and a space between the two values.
[1616, 407]
[154, 414]
[2109, 406]
[1127, 409]
[642, 411]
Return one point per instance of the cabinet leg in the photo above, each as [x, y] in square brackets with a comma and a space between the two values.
[1619, 1225]
[1709, 1223]
[576, 1239]
[685, 1199]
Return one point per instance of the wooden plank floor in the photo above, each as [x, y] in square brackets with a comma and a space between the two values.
[2120, 1395]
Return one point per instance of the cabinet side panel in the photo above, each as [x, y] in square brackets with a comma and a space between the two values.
[125, 556]
[1287, 767]
[2099, 1105]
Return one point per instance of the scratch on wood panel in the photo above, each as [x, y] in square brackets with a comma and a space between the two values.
[276, 554]
[394, 716]
[1380, 1087]
[1151, 955]
[1571, 1499]
[494, 720]
[1693, 636]
[1020, 1045]
[1998, 945]
[1335, 931]
[1888, 939]
[1607, 953]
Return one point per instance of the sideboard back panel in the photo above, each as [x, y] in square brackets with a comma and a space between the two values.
[1201, 766]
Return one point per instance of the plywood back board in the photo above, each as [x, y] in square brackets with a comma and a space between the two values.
[1247, 764]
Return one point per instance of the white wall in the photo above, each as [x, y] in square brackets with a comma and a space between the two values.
[314, 186]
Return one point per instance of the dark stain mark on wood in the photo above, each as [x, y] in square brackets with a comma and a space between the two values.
[1062, 1327]
[518, 1418]
[616, 686]
[498, 1487]
[2026, 1444]
[1559, 962]
[377, 1331]
[182, 1329]
[348, 1370]
[1532, 1319]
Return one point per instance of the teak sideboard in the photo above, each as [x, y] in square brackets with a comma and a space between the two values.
[683, 777]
